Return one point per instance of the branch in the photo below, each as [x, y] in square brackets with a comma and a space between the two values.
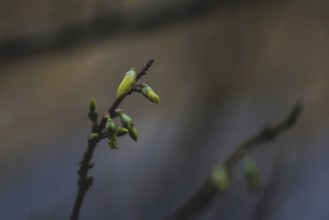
[86, 182]
[208, 191]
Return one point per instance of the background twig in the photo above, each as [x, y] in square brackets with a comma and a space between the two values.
[208, 191]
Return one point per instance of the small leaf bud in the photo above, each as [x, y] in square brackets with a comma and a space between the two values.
[93, 136]
[92, 113]
[133, 133]
[110, 128]
[220, 178]
[126, 121]
[148, 92]
[121, 131]
[113, 142]
[252, 176]
[127, 82]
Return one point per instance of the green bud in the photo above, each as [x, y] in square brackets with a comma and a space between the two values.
[110, 128]
[133, 133]
[92, 104]
[127, 82]
[126, 121]
[251, 174]
[92, 136]
[113, 142]
[92, 113]
[121, 131]
[148, 92]
[220, 178]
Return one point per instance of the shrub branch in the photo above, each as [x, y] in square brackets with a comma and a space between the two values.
[209, 191]
[85, 181]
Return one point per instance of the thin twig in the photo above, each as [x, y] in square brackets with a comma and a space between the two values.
[208, 191]
[85, 182]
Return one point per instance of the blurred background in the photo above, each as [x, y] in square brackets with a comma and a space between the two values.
[223, 69]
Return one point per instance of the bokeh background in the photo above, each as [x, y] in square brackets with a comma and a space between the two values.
[223, 69]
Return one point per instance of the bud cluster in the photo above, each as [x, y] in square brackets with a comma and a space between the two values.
[112, 130]
[109, 128]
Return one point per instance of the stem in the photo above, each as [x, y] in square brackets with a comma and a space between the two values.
[86, 182]
[209, 191]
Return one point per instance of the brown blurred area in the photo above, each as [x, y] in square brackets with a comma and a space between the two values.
[223, 69]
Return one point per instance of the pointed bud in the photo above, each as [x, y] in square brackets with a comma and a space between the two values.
[220, 178]
[93, 136]
[121, 131]
[148, 92]
[252, 176]
[110, 127]
[127, 82]
[133, 133]
[126, 121]
[113, 142]
[92, 113]
[92, 104]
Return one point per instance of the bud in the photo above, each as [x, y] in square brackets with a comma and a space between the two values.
[133, 133]
[220, 178]
[148, 92]
[92, 113]
[126, 121]
[92, 105]
[121, 131]
[113, 142]
[93, 136]
[127, 82]
[110, 127]
[251, 174]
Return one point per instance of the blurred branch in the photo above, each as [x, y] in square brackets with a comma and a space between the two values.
[209, 191]
[85, 182]
[28, 42]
